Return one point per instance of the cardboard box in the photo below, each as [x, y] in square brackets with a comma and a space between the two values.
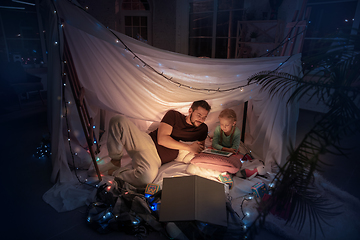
[192, 198]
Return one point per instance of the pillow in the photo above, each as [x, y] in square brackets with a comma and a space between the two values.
[184, 156]
[230, 164]
[203, 172]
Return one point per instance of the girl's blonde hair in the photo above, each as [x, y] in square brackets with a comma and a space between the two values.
[228, 113]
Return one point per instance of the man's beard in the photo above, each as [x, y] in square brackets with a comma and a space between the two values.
[193, 123]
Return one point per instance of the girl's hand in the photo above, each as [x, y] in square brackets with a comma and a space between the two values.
[229, 150]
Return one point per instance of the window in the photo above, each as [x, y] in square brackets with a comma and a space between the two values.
[136, 27]
[135, 5]
[326, 19]
[20, 37]
[212, 30]
[136, 19]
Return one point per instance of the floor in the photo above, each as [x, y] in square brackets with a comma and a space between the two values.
[26, 178]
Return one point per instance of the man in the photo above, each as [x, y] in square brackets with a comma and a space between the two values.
[149, 151]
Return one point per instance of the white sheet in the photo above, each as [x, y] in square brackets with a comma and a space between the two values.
[119, 83]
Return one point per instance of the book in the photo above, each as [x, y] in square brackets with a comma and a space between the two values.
[217, 152]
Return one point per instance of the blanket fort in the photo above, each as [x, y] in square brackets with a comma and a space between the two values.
[141, 82]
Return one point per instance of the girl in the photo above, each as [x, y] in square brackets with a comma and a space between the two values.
[227, 135]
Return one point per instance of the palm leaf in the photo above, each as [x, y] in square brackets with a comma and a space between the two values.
[337, 85]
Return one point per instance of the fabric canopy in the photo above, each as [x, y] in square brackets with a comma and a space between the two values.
[121, 75]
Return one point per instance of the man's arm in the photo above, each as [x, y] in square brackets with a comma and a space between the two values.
[164, 139]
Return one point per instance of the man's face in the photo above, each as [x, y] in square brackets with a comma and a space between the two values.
[198, 116]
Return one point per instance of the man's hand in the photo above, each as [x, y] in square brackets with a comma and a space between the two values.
[196, 147]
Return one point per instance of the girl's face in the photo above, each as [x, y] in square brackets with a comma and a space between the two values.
[226, 125]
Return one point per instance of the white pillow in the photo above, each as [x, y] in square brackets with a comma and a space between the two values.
[184, 156]
[203, 172]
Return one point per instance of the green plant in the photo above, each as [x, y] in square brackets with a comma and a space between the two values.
[334, 79]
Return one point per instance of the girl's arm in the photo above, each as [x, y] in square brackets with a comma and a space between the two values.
[216, 138]
[236, 139]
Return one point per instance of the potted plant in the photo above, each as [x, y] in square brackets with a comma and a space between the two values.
[334, 77]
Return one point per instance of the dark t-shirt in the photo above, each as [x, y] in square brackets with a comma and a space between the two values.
[181, 131]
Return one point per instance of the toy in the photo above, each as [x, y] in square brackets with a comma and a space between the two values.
[259, 189]
[151, 189]
[227, 179]
[250, 174]
[247, 157]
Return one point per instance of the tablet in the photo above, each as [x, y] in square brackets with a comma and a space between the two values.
[217, 152]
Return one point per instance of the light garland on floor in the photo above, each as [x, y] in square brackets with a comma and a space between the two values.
[44, 150]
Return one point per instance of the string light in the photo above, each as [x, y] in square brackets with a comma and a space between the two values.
[68, 129]
[170, 79]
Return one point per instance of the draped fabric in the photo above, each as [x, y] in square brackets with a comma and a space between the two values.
[121, 75]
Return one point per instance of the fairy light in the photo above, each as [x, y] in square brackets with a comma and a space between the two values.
[73, 154]
[170, 79]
